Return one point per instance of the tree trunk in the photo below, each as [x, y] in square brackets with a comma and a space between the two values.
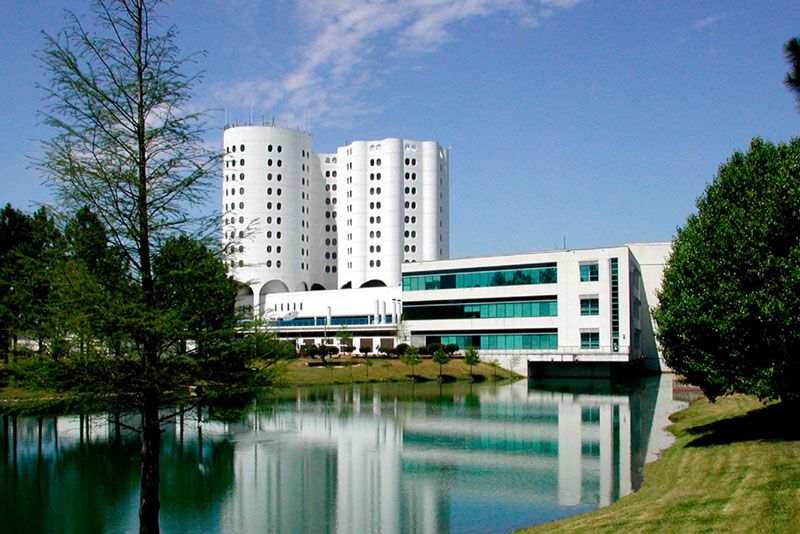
[41, 423]
[5, 347]
[5, 437]
[15, 428]
[151, 447]
[117, 426]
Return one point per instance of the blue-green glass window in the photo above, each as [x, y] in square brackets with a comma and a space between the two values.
[590, 272]
[590, 340]
[590, 306]
[421, 312]
[527, 309]
[546, 274]
[534, 341]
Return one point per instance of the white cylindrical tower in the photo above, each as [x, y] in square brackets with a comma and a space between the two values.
[329, 218]
[268, 207]
[295, 220]
[384, 252]
[394, 209]
[431, 178]
[443, 173]
[371, 226]
[353, 229]
[416, 196]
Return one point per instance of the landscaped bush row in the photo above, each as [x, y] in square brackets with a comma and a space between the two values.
[313, 351]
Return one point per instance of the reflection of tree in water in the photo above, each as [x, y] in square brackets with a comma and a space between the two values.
[80, 479]
[196, 475]
[352, 454]
[473, 403]
[81, 485]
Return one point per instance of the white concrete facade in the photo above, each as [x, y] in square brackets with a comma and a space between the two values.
[325, 241]
[588, 317]
[269, 210]
[605, 319]
[394, 208]
[295, 220]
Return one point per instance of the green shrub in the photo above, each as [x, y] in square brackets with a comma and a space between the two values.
[400, 349]
[433, 347]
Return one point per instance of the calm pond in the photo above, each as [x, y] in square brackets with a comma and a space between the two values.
[371, 458]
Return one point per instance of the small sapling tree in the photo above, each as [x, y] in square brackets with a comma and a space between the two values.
[471, 357]
[441, 358]
[411, 358]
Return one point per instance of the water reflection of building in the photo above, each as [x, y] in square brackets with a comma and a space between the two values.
[327, 467]
[357, 462]
[532, 439]
[382, 458]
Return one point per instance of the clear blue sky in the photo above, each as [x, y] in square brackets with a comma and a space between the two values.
[598, 121]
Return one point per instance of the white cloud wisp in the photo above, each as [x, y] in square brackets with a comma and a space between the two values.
[346, 35]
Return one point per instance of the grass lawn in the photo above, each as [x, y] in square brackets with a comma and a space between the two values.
[299, 373]
[735, 467]
[12, 394]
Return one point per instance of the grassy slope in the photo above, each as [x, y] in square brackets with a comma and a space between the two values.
[298, 373]
[734, 468]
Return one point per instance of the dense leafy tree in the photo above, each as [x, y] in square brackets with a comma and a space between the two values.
[399, 349]
[792, 50]
[194, 292]
[44, 255]
[729, 314]
[15, 232]
[93, 285]
[31, 248]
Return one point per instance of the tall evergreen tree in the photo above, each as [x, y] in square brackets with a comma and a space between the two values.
[792, 81]
[95, 288]
[16, 230]
[31, 248]
[193, 288]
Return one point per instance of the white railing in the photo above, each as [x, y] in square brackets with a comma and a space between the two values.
[602, 350]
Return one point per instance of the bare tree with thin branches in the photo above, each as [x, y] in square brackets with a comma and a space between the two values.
[127, 146]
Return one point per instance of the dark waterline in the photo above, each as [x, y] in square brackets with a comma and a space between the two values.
[369, 458]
